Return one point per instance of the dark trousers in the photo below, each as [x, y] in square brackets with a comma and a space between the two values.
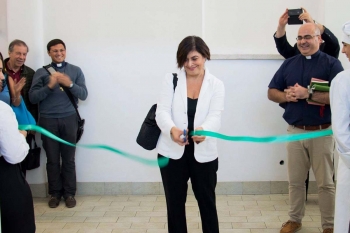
[203, 178]
[61, 178]
[16, 202]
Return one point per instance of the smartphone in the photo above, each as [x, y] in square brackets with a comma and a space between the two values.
[49, 69]
[294, 16]
[183, 136]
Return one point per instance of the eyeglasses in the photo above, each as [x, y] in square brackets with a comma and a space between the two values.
[58, 51]
[307, 37]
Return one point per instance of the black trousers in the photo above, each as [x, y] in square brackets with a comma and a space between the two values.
[203, 178]
[61, 178]
[16, 202]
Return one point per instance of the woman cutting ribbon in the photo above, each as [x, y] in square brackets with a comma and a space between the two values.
[196, 104]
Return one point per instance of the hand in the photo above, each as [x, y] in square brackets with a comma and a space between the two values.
[23, 132]
[306, 16]
[176, 136]
[198, 139]
[18, 86]
[282, 22]
[290, 95]
[64, 80]
[300, 92]
[53, 80]
[281, 29]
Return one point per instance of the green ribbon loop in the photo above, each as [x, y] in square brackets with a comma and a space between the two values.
[161, 162]
[269, 139]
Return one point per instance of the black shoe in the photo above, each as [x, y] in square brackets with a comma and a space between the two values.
[54, 201]
[70, 202]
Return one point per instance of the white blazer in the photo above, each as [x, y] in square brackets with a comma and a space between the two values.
[172, 111]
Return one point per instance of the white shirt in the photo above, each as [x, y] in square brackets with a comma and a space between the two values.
[340, 106]
[172, 111]
[13, 145]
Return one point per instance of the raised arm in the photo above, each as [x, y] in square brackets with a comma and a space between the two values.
[331, 46]
[280, 37]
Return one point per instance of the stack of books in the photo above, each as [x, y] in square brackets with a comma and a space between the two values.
[318, 85]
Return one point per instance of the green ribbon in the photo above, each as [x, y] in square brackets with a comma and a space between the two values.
[164, 160]
[161, 162]
[269, 139]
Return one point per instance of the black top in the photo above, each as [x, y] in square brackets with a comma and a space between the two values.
[299, 69]
[191, 112]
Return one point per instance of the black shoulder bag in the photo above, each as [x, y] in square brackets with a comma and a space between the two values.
[149, 132]
[33, 157]
[81, 122]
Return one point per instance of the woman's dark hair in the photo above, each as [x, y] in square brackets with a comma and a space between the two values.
[55, 42]
[191, 43]
[2, 62]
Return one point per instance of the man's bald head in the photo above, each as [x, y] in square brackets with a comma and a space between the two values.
[308, 39]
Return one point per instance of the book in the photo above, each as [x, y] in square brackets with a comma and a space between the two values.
[318, 85]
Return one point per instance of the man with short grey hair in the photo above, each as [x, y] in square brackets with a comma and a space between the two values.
[307, 111]
[16, 69]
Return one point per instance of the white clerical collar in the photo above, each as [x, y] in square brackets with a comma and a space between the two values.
[59, 64]
[308, 57]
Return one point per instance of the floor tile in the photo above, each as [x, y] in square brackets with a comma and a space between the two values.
[101, 219]
[148, 214]
[79, 225]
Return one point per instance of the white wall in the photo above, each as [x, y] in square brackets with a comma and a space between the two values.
[3, 27]
[247, 27]
[124, 49]
[24, 21]
[336, 14]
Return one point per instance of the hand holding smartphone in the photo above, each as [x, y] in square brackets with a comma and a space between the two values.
[294, 16]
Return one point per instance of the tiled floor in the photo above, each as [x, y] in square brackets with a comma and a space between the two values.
[147, 214]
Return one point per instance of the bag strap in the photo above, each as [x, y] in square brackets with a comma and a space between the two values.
[31, 137]
[175, 80]
[70, 96]
[52, 70]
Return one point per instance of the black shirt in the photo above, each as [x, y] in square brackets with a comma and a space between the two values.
[300, 69]
[191, 112]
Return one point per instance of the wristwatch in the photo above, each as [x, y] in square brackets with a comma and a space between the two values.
[310, 91]
[71, 85]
